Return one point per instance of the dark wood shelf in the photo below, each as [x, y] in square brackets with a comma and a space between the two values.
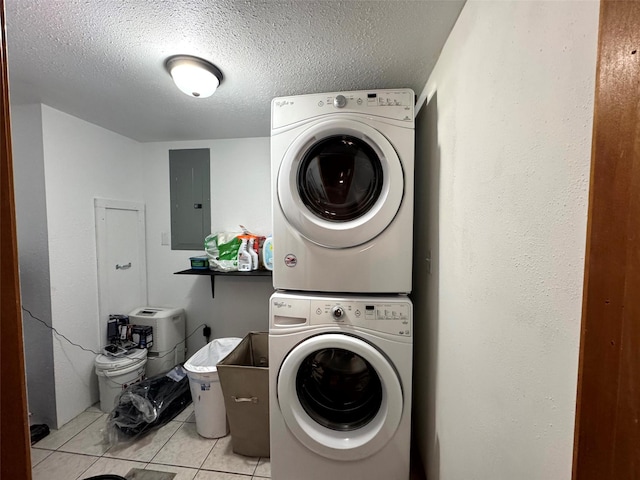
[213, 274]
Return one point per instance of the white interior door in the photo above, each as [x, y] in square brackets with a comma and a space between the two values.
[122, 267]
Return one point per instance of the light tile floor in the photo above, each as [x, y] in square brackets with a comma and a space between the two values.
[78, 450]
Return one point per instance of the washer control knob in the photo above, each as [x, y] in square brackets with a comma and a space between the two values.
[337, 312]
[340, 101]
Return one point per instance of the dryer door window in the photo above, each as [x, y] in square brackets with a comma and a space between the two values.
[340, 178]
[340, 184]
[340, 396]
[339, 389]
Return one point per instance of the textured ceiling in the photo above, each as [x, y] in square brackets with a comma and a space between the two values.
[103, 60]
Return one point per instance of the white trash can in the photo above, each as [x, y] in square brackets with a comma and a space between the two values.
[206, 393]
[117, 373]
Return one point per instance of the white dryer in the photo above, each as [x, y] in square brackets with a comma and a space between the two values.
[340, 386]
[342, 191]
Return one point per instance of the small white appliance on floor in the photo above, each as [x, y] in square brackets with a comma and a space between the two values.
[169, 332]
[340, 386]
[342, 168]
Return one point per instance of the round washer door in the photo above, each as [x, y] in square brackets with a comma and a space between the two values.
[339, 396]
[340, 183]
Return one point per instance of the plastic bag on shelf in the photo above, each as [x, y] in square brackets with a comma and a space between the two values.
[148, 405]
[222, 251]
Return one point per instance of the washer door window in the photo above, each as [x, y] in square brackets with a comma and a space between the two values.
[340, 183]
[339, 396]
[338, 389]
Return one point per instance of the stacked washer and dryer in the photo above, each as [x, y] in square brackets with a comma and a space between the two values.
[341, 324]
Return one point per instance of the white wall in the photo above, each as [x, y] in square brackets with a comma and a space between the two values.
[503, 158]
[240, 194]
[62, 164]
[81, 161]
[33, 254]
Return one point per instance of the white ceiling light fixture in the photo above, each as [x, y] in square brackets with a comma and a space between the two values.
[194, 76]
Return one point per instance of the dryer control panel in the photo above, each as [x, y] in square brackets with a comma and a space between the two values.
[390, 104]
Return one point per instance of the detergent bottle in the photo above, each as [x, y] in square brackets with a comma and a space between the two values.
[267, 253]
[253, 254]
[244, 258]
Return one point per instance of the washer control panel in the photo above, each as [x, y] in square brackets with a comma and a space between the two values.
[337, 312]
[389, 317]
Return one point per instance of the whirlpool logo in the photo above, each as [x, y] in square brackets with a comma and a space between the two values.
[281, 305]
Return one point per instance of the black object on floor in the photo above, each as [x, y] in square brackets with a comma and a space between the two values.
[151, 403]
[38, 432]
[106, 477]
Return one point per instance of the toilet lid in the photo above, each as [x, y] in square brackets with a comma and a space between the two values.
[107, 362]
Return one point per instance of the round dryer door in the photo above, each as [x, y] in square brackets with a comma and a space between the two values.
[340, 183]
[339, 396]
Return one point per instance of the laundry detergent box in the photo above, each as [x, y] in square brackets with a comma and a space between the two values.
[244, 378]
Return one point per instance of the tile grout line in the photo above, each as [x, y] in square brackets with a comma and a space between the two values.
[41, 460]
[255, 468]
[185, 466]
[208, 453]
[165, 443]
[58, 430]
[146, 464]
[217, 470]
[41, 448]
[101, 417]
[96, 457]
[86, 469]
[161, 447]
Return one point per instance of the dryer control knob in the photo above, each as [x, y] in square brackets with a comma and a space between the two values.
[339, 101]
[337, 312]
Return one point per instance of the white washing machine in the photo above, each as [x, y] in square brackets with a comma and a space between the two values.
[342, 191]
[340, 386]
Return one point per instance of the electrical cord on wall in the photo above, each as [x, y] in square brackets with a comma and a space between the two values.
[183, 340]
[59, 334]
[164, 354]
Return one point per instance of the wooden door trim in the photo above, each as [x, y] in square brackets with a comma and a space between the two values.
[15, 439]
[607, 432]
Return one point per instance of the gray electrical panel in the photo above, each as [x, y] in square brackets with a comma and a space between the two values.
[190, 198]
